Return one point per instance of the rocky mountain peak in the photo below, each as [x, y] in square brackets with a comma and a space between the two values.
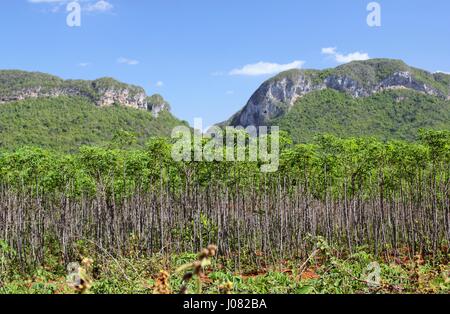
[104, 92]
[278, 95]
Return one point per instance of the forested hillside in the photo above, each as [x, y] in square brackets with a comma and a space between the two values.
[66, 123]
[393, 114]
[383, 98]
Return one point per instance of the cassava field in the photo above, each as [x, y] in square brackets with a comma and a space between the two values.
[350, 215]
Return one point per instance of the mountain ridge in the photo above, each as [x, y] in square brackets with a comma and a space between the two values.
[16, 85]
[359, 79]
[39, 109]
[384, 98]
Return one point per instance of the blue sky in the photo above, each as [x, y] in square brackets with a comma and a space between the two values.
[208, 56]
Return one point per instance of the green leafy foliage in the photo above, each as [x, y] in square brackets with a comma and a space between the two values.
[329, 171]
[66, 123]
[388, 115]
[324, 274]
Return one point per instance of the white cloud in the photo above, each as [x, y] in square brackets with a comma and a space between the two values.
[264, 68]
[230, 92]
[341, 58]
[127, 61]
[91, 6]
[354, 56]
[54, 5]
[84, 64]
[159, 84]
[329, 50]
[99, 6]
[443, 72]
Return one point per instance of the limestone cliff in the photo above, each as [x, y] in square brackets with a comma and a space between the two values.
[104, 92]
[359, 79]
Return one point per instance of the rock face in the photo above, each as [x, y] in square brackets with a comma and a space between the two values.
[109, 97]
[407, 80]
[105, 92]
[103, 97]
[38, 92]
[156, 104]
[359, 79]
[274, 98]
